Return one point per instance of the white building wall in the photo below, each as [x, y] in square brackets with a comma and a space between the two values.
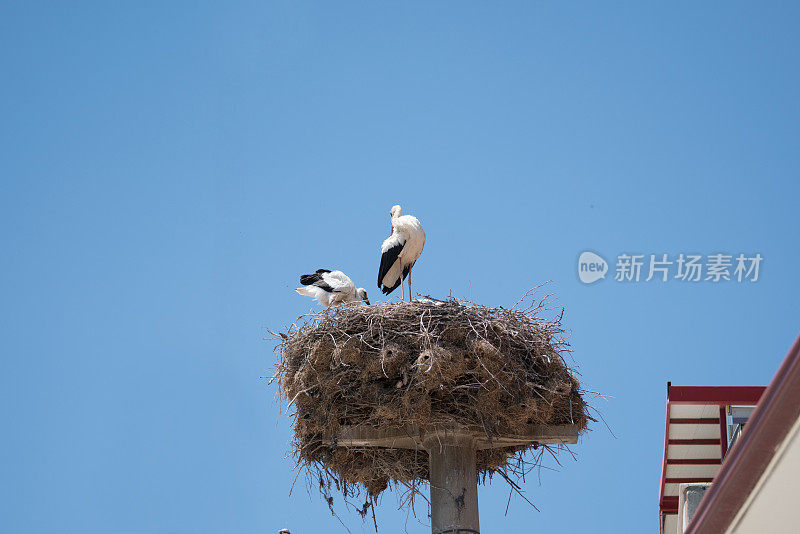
[773, 506]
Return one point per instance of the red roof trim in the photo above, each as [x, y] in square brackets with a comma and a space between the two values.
[723, 395]
[661, 496]
[723, 432]
[766, 429]
[694, 461]
[696, 421]
[669, 506]
[694, 442]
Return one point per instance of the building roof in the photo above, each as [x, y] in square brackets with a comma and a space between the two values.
[747, 464]
[695, 439]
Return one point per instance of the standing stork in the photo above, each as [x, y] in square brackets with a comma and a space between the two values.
[400, 251]
[331, 287]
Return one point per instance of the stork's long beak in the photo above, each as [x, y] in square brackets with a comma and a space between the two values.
[367, 301]
[391, 229]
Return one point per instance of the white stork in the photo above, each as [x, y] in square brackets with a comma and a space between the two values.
[400, 251]
[331, 287]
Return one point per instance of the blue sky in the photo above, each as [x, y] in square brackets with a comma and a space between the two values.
[169, 169]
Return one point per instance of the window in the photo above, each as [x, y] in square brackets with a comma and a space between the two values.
[736, 418]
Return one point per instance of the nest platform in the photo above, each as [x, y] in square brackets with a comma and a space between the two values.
[373, 389]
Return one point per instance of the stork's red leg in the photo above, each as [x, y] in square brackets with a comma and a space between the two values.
[410, 294]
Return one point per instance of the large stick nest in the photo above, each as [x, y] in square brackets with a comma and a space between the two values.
[425, 363]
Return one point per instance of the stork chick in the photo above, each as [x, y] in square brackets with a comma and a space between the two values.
[330, 288]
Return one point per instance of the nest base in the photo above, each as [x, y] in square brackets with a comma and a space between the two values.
[369, 386]
[413, 437]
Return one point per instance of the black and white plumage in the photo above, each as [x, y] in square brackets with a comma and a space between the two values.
[331, 287]
[400, 251]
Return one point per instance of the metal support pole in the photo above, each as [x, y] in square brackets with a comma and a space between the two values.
[454, 484]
